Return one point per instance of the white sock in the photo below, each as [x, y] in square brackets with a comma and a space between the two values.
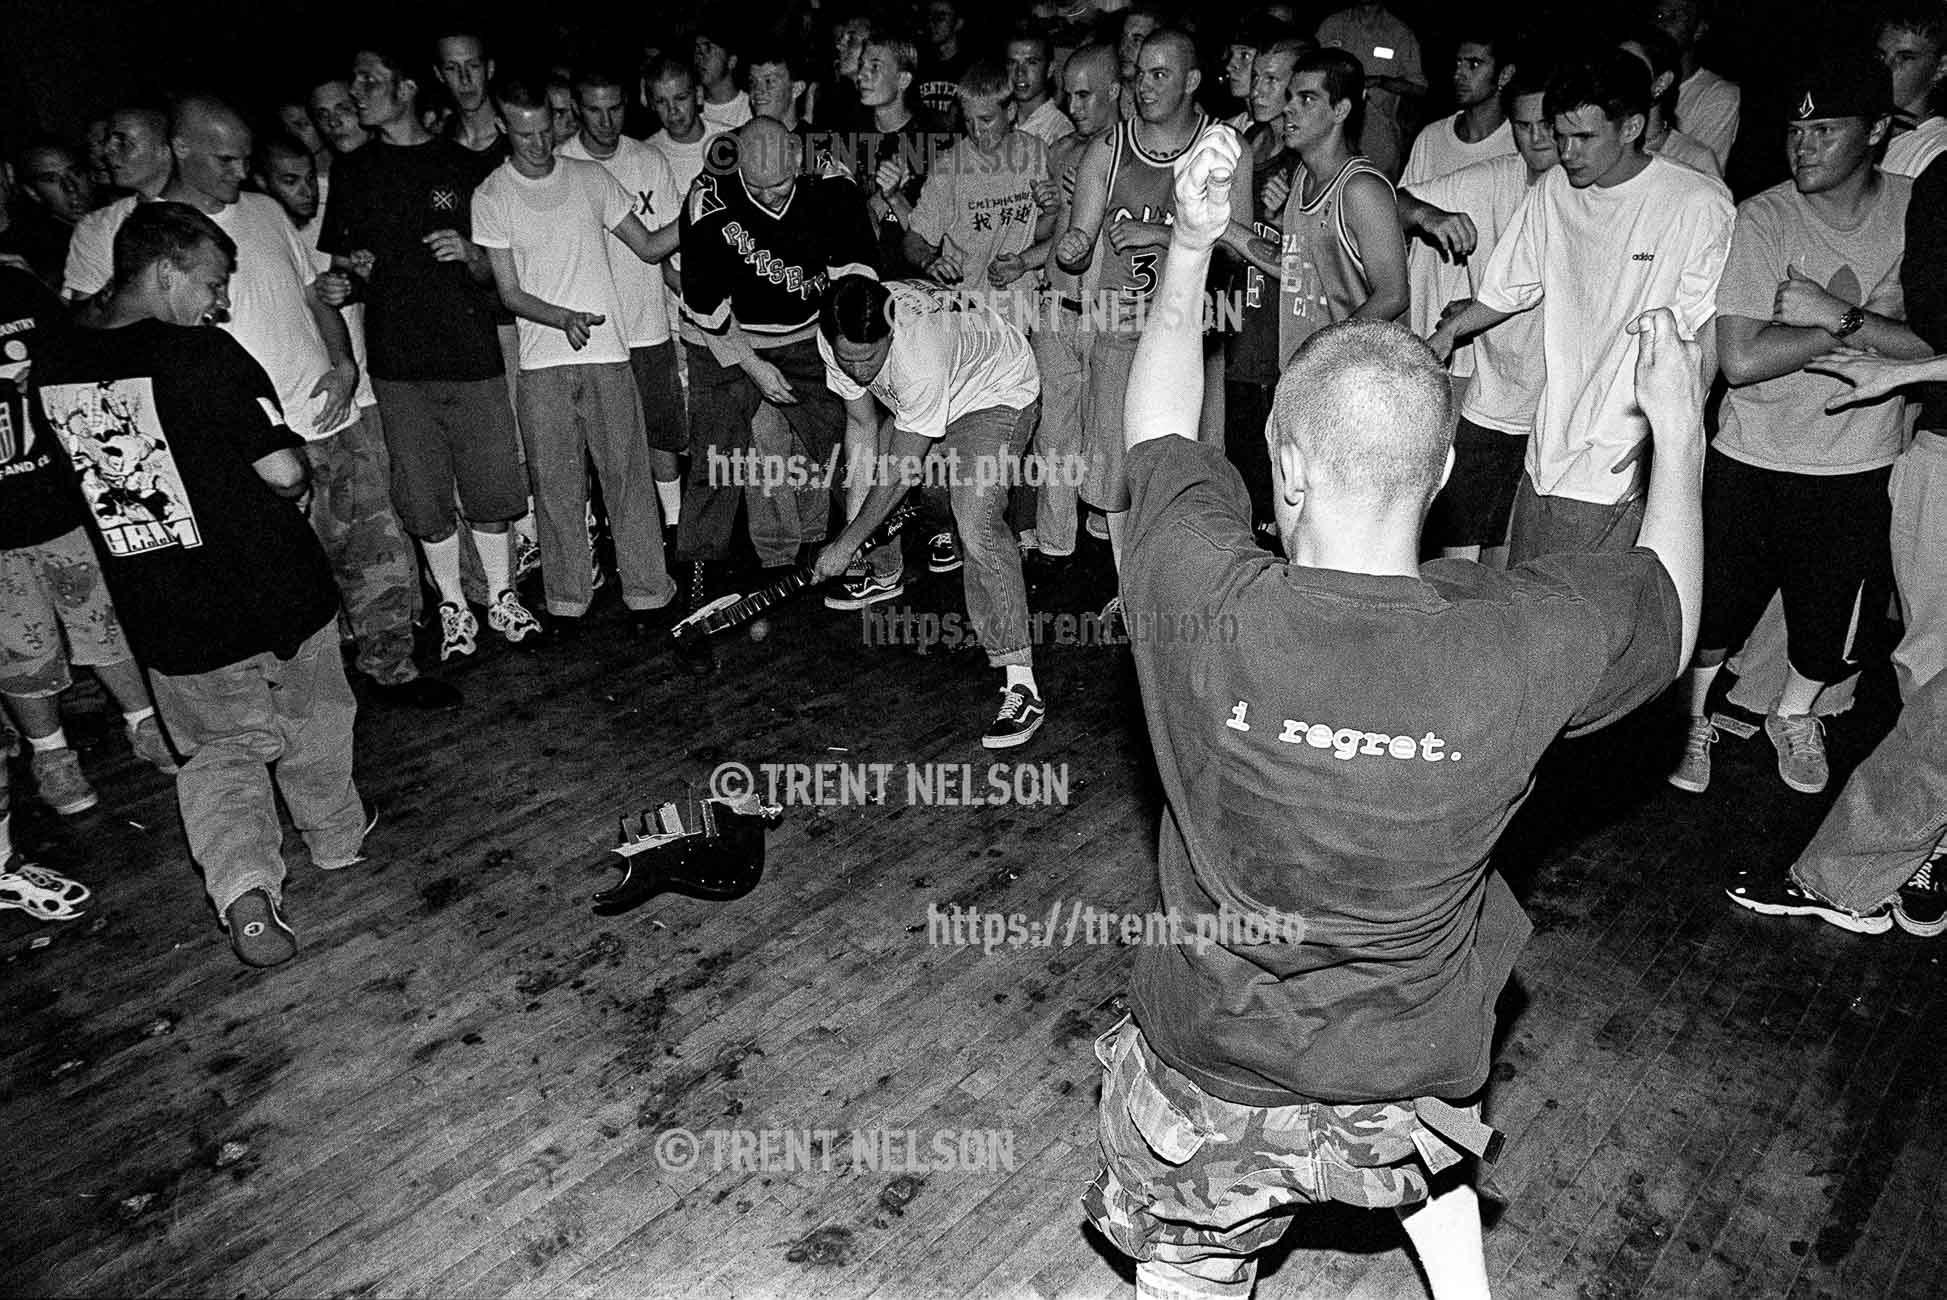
[6, 838]
[55, 739]
[137, 718]
[496, 561]
[1022, 675]
[671, 496]
[443, 558]
[1116, 518]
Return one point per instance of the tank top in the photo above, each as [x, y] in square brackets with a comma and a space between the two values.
[1142, 187]
[1324, 279]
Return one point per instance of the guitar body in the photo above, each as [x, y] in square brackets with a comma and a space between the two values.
[721, 860]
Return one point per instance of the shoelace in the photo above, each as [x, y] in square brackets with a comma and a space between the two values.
[1802, 735]
[1013, 704]
[1923, 878]
[450, 621]
[1702, 736]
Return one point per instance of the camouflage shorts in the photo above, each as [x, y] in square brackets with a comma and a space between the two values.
[1189, 1176]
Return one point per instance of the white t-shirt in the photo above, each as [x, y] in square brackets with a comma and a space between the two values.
[1439, 151]
[91, 250]
[1707, 110]
[685, 160]
[1602, 257]
[727, 116]
[1908, 155]
[353, 312]
[1505, 362]
[270, 309]
[558, 229]
[1047, 123]
[644, 174]
[1682, 147]
[949, 358]
[985, 206]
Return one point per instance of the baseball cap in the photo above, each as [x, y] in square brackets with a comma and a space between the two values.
[1851, 85]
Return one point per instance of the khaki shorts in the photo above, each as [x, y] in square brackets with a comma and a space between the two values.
[46, 590]
[1189, 1176]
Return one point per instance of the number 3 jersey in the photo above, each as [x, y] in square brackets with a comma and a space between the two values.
[1142, 187]
[769, 269]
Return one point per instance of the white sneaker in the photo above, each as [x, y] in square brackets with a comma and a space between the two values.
[1693, 771]
[512, 619]
[457, 630]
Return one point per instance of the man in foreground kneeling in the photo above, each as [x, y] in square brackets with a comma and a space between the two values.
[1335, 778]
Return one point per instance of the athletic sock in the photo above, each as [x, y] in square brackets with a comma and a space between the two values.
[671, 496]
[1116, 518]
[6, 839]
[496, 561]
[55, 739]
[443, 558]
[1022, 675]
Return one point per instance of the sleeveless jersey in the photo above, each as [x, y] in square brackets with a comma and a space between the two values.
[1324, 279]
[1142, 187]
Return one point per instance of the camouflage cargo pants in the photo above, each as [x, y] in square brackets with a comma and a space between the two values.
[351, 511]
[1194, 1186]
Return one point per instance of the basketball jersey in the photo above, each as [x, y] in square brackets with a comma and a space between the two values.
[1142, 187]
[1323, 278]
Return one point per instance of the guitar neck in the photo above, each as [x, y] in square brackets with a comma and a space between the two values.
[757, 602]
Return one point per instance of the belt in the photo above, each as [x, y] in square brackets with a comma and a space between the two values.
[1464, 1130]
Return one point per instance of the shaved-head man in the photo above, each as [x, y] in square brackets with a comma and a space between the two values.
[139, 161]
[758, 248]
[305, 348]
[1120, 226]
[461, 62]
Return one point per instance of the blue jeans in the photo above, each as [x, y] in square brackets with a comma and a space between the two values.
[1890, 817]
[985, 448]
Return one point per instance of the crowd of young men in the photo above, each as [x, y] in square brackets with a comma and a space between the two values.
[439, 322]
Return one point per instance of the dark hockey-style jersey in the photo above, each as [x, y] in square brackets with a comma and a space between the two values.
[769, 269]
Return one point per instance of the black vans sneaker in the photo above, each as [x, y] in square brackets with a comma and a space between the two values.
[257, 930]
[1921, 905]
[1020, 717]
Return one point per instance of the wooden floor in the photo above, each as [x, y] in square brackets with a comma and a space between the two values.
[459, 1085]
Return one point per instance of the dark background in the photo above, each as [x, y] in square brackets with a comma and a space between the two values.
[66, 61]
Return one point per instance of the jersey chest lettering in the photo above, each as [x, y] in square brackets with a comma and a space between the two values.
[795, 279]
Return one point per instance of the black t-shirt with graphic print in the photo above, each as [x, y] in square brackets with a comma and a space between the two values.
[163, 426]
[425, 319]
[37, 497]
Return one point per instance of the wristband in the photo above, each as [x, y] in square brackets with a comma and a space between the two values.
[1850, 323]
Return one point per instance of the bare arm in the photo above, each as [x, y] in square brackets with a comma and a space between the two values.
[1374, 222]
[1076, 248]
[575, 324]
[1671, 393]
[651, 246]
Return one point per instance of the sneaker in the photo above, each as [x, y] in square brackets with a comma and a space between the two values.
[512, 619]
[1921, 905]
[866, 589]
[1799, 739]
[1778, 896]
[942, 555]
[58, 774]
[149, 746]
[257, 930]
[45, 895]
[339, 864]
[1693, 772]
[527, 558]
[1020, 717]
[457, 630]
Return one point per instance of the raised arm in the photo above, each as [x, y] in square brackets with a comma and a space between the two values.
[1670, 389]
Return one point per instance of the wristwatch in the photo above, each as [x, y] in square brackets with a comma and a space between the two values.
[1850, 322]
